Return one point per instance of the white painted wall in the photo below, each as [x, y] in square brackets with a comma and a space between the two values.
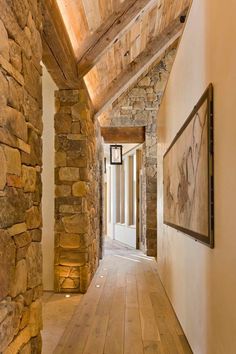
[201, 282]
[126, 234]
[48, 181]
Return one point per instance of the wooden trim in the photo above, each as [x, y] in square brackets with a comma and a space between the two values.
[123, 135]
[130, 189]
[152, 54]
[138, 168]
[58, 54]
[109, 32]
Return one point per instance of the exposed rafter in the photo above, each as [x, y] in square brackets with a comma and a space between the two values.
[58, 54]
[154, 50]
[123, 135]
[109, 32]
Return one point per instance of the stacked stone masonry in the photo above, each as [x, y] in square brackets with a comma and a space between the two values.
[20, 176]
[77, 175]
[138, 107]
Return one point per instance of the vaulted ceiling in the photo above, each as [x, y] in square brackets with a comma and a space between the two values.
[108, 43]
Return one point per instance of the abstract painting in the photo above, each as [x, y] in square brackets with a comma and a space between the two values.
[188, 175]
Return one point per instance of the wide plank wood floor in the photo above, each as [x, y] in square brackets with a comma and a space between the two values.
[125, 310]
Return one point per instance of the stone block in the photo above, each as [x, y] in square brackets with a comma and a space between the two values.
[3, 89]
[33, 82]
[21, 253]
[36, 235]
[85, 174]
[16, 94]
[3, 174]
[66, 145]
[33, 218]
[34, 264]
[76, 224]
[62, 123]
[62, 191]
[35, 156]
[138, 92]
[36, 342]
[14, 181]
[69, 174]
[14, 122]
[23, 146]
[26, 349]
[78, 158]
[67, 97]
[29, 178]
[13, 160]
[13, 207]
[69, 283]
[19, 341]
[70, 209]
[76, 137]
[80, 189]
[19, 284]
[35, 320]
[9, 326]
[23, 239]
[17, 229]
[32, 111]
[4, 44]
[15, 55]
[7, 263]
[145, 82]
[69, 240]
[72, 257]
[60, 159]
[75, 128]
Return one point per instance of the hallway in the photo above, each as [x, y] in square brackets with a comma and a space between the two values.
[125, 310]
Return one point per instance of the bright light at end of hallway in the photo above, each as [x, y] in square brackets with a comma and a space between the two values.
[129, 259]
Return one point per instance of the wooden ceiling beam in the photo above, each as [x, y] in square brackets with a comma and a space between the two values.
[58, 54]
[123, 135]
[109, 33]
[155, 50]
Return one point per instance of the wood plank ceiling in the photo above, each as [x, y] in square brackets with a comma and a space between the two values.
[110, 38]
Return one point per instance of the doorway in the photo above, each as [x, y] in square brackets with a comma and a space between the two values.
[122, 190]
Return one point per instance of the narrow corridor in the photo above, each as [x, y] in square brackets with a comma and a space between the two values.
[125, 310]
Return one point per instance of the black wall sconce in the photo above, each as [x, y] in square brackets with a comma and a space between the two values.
[116, 154]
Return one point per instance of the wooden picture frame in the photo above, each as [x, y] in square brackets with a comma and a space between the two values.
[188, 167]
[116, 155]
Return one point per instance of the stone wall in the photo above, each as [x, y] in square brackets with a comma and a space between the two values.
[138, 107]
[20, 176]
[77, 203]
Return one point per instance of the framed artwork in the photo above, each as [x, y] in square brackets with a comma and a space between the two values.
[116, 154]
[188, 175]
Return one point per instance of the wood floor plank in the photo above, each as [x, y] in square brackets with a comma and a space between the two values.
[148, 325]
[128, 313]
[152, 347]
[114, 342]
[97, 335]
[133, 334]
[131, 291]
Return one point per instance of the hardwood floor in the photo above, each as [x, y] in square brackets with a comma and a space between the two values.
[125, 310]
